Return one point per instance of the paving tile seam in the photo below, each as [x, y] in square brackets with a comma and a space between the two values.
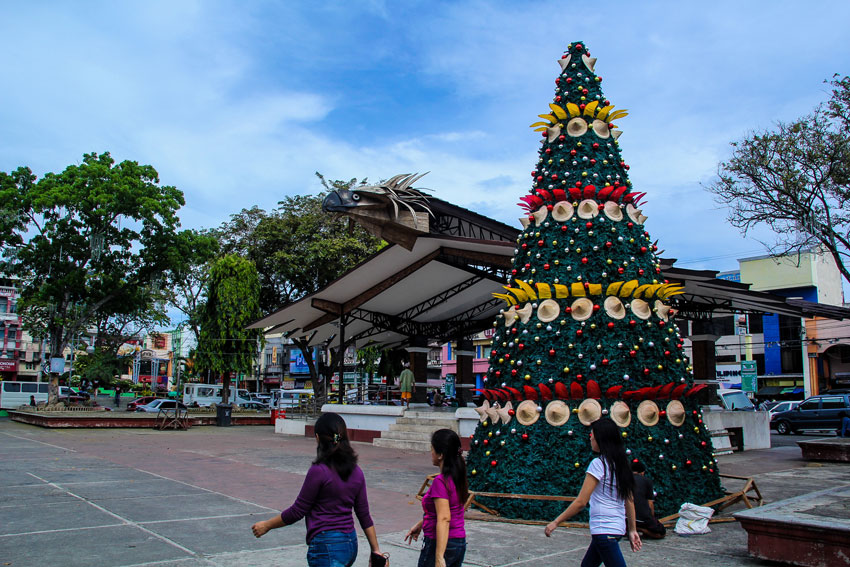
[42, 442]
[146, 523]
[59, 530]
[126, 521]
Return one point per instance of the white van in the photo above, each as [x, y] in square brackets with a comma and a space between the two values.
[16, 394]
[208, 394]
[282, 399]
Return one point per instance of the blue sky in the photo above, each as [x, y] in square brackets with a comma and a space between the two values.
[238, 103]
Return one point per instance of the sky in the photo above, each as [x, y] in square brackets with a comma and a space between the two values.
[239, 103]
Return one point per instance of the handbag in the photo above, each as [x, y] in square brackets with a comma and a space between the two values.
[379, 560]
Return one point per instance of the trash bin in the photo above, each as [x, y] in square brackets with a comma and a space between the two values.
[222, 415]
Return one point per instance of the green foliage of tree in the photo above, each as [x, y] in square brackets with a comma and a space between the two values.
[101, 366]
[232, 303]
[185, 285]
[795, 179]
[89, 242]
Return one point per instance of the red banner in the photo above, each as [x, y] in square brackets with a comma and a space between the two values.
[8, 365]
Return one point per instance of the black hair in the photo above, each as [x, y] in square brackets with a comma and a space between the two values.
[613, 454]
[447, 444]
[637, 467]
[334, 448]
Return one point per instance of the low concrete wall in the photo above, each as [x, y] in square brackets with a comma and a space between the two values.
[367, 418]
[290, 426]
[72, 420]
[754, 424]
[467, 419]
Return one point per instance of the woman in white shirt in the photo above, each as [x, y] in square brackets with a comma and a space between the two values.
[607, 488]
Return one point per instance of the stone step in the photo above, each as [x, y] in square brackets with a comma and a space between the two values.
[435, 423]
[422, 426]
[407, 435]
[449, 413]
[405, 445]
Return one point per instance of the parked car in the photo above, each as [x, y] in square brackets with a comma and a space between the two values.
[255, 406]
[68, 394]
[735, 400]
[161, 404]
[141, 402]
[822, 412]
[779, 407]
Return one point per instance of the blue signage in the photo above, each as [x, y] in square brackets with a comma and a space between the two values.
[297, 363]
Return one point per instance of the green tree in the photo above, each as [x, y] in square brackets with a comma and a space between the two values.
[586, 330]
[89, 242]
[795, 179]
[232, 303]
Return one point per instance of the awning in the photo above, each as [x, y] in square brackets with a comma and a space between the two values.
[769, 391]
[793, 390]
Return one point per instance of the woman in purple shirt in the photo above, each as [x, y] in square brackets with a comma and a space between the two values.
[444, 544]
[334, 486]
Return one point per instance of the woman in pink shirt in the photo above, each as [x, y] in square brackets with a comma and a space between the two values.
[444, 542]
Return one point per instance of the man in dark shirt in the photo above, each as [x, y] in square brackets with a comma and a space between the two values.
[644, 496]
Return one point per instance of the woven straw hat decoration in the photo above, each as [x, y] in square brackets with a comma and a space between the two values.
[662, 310]
[613, 211]
[557, 413]
[548, 310]
[676, 413]
[526, 413]
[581, 309]
[620, 414]
[562, 211]
[588, 209]
[641, 308]
[589, 411]
[614, 307]
[647, 413]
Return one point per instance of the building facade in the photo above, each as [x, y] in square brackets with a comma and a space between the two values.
[794, 357]
[11, 353]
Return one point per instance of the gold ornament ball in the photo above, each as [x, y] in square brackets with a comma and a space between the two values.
[624, 434]
[649, 438]
[577, 465]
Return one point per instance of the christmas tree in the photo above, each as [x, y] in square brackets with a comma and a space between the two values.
[587, 328]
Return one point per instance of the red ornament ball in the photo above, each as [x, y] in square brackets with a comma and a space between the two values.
[525, 436]
[493, 463]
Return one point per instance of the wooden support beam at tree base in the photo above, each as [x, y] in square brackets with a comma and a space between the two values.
[493, 516]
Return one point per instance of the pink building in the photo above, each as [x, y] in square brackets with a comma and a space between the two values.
[481, 345]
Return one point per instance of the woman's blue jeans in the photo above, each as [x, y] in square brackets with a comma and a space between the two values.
[605, 549]
[455, 550]
[332, 549]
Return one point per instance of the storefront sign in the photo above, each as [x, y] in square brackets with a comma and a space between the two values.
[10, 365]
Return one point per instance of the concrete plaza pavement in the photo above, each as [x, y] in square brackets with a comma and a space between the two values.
[188, 498]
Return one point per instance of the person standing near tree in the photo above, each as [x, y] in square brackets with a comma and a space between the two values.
[333, 487]
[407, 384]
[608, 488]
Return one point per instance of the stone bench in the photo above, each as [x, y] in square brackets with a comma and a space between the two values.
[828, 449]
[812, 530]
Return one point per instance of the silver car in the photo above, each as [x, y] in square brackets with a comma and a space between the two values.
[161, 404]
